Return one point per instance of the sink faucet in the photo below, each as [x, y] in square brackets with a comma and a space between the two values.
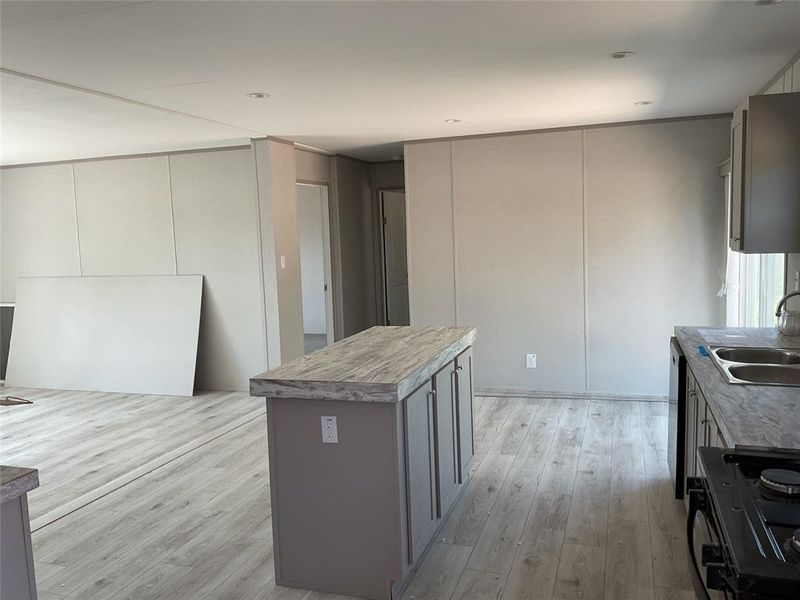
[783, 301]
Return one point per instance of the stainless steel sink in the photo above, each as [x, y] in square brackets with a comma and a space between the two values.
[769, 374]
[758, 366]
[769, 356]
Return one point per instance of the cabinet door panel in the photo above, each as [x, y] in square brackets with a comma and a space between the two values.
[445, 439]
[690, 454]
[691, 428]
[420, 483]
[737, 181]
[702, 420]
[465, 426]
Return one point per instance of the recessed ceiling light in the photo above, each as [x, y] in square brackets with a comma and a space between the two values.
[643, 102]
[620, 54]
[766, 2]
[258, 95]
[452, 120]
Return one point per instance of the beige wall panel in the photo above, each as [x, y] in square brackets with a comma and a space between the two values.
[776, 87]
[216, 235]
[655, 207]
[519, 255]
[312, 166]
[287, 245]
[388, 175]
[796, 76]
[37, 217]
[125, 216]
[431, 275]
[353, 245]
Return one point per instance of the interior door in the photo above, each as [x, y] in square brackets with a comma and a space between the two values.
[395, 265]
[313, 227]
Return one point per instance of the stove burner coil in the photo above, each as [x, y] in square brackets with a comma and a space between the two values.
[781, 481]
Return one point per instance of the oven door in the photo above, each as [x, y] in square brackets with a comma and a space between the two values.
[703, 542]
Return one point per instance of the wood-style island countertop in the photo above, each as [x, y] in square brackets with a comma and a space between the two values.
[15, 481]
[381, 364]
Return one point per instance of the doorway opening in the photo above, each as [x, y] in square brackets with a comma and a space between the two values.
[313, 224]
[395, 262]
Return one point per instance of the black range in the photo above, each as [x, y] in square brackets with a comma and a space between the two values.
[751, 503]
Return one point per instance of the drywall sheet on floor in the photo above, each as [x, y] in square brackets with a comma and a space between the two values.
[107, 334]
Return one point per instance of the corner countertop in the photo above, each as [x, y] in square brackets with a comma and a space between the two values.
[381, 364]
[747, 415]
[15, 481]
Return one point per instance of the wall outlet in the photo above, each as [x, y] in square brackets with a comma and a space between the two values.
[530, 361]
[330, 431]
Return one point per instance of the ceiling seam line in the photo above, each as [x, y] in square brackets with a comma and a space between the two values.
[109, 96]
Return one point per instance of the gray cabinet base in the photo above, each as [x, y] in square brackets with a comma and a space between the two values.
[339, 517]
[17, 579]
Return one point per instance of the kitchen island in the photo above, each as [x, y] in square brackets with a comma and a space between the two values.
[370, 444]
[17, 579]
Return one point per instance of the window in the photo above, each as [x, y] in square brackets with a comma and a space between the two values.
[753, 282]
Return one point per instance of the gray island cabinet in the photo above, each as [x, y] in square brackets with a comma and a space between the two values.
[370, 444]
[17, 577]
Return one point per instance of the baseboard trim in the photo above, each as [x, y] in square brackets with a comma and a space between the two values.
[510, 393]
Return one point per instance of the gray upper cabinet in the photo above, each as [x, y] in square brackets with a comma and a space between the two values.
[420, 470]
[448, 476]
[464, 416]
[765, 175]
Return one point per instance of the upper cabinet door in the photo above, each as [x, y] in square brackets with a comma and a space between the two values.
[464, 416]
[765, 173]
[737, 180]
[445, 439]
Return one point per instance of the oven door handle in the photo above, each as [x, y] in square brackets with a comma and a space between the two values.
[696, 497]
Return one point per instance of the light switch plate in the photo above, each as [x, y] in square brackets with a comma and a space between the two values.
[283, 262]
[330, 430]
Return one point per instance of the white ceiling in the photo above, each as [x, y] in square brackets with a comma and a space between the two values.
[359, 78]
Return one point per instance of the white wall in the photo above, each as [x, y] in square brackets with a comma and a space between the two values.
[519, 256]
[277, 197]
[182, 213]
[38, 228]
[429, 227]
[125, 216]
[655, 217]
[574, 245]
[216, 235]
[312, 258]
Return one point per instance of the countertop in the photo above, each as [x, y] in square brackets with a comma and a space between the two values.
[747, 415]
[15, 481]
[381, 364]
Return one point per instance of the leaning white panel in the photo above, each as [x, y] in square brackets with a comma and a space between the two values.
[106, 334]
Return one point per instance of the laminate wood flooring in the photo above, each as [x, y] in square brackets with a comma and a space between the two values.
[571, 499]
[81, 441]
